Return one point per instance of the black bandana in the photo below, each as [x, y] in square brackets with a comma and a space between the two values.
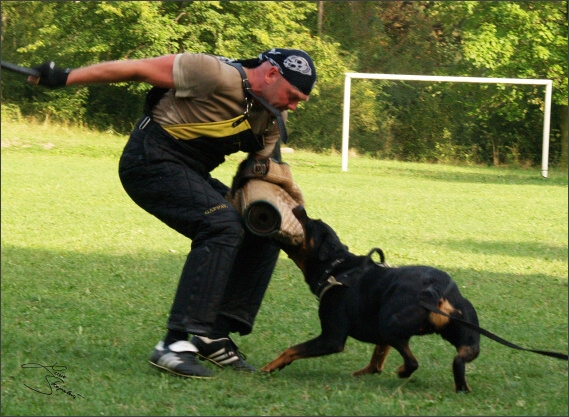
[295, 66]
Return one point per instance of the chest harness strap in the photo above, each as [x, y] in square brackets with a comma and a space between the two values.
[271, 109]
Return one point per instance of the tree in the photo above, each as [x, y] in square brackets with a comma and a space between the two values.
[76, 34]
[80, 33]
[514, 40]
[411, 121]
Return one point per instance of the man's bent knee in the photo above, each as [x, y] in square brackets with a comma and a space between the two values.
[221, 225]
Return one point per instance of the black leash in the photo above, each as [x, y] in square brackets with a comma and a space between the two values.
[492, 336]
[475, 327]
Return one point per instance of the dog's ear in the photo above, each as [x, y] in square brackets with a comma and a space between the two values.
[330, 243]
[300, 213]
[331, 249]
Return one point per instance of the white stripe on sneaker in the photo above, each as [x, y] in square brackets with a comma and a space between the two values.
[223, 357]
[182, 346]
[170, 360]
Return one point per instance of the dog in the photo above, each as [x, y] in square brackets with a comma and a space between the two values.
[375, 303]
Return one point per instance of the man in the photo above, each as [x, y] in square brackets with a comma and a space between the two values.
[201, 108]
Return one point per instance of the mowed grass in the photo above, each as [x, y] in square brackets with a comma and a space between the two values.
[88, 278]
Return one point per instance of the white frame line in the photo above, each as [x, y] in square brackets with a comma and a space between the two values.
[546, 111]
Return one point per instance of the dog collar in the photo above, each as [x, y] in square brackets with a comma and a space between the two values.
[327, 280]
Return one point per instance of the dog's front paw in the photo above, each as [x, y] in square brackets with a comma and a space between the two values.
[273, 366]
[267, 369]
[367, 370]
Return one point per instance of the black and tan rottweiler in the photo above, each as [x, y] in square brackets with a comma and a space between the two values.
[375, 303]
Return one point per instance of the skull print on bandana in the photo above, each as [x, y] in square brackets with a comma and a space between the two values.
[295, 65]
[298, 64]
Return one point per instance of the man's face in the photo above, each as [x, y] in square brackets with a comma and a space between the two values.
[282, 94]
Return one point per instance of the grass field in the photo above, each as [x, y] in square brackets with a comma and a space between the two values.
[88, 278]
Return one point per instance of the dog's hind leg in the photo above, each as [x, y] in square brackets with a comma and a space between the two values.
[410, 363]
[375, 365]
[465, 355]
[465, 340]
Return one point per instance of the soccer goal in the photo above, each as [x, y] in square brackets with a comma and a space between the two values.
[480, 80]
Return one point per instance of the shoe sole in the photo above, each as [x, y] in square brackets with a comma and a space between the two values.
[170, 371]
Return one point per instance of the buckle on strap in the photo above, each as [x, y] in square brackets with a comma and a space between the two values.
[326, 285]
[144, 123]
[260, 168]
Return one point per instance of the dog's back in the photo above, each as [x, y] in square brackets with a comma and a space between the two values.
[390, 300]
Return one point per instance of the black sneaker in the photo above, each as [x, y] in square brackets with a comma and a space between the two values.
[179, 359]
[222, 352]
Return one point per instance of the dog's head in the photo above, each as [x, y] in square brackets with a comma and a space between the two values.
[320, 245]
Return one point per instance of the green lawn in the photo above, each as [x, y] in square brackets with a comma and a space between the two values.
[88, 278]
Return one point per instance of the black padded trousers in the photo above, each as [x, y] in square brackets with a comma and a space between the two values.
[228, 269]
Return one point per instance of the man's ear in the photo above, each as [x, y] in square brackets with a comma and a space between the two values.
[272, 75]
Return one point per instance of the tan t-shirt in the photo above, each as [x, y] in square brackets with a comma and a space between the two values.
[208, 90]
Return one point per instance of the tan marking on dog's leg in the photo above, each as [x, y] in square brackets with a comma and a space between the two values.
[375, 365]
[465, 354]
[284, 359]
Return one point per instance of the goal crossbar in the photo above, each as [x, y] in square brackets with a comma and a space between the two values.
[481, 80]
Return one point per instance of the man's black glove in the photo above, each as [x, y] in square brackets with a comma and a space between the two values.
[51, 76]
[250, 168]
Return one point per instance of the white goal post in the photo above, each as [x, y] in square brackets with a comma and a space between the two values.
[480, 80]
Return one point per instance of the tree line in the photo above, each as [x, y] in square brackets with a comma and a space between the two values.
[412, 121]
